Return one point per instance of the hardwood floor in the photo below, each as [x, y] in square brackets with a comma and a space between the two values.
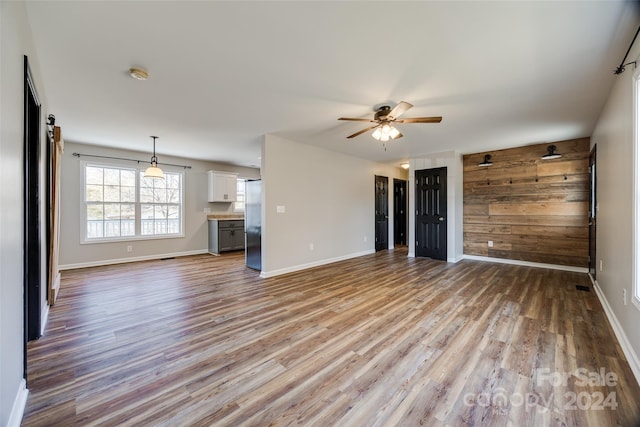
[377, 340]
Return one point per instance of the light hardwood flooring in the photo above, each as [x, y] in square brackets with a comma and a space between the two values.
[381, 339]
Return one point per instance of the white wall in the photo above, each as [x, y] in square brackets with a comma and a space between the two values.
[73, 254]
[329, 202]
[15, 39]
[613, 136]
[453, 162]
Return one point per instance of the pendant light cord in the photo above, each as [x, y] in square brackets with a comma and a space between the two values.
[154, 159]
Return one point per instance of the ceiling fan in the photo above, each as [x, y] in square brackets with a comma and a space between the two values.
[383, 130]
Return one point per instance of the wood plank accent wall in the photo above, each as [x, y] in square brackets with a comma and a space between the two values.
[532, 209]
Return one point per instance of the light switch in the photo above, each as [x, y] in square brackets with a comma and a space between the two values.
[280, 209]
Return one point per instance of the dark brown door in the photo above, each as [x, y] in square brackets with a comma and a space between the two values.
[399, 212]
[431, 213]
[382, 212]
[592, 213]
[32, 271]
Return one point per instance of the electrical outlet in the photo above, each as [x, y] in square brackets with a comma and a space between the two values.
[310, 246]
[365, 239]
[600, 265]
[490, 243]
[129, 248]
[624, 296]
[207, 210]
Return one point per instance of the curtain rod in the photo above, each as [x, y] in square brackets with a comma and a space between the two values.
[129, 160]
[622, 65]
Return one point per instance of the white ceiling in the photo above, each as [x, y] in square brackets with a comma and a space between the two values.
[223, 74]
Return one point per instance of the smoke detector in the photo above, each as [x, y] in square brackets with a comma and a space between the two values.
[138, 73]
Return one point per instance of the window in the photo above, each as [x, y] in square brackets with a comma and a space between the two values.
[238, 205]
[636, 188]
[119, 203]
[160, 204]
[110, 196]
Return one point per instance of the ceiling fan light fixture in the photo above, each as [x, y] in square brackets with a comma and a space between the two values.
[385, 132]
[393, 133]
[154, 171]
[384, 117]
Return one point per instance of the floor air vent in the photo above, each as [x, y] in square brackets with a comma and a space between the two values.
[583, 288]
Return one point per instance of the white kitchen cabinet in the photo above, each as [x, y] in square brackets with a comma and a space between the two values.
[222, 186]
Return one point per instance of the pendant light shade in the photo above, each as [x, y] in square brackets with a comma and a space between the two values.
[154, 171]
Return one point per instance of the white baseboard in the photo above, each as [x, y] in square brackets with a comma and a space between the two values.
[278, 272]
[19, 403]
[132, 259]
[44, 316]
[627, 349]
[527, 263]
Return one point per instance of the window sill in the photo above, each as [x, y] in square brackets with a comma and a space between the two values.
[131, 239]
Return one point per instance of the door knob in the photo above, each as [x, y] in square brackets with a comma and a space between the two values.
[441, 218]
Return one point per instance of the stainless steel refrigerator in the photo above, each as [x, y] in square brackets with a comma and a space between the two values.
[253, 224]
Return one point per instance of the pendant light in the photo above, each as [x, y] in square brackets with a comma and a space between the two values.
[154, 171]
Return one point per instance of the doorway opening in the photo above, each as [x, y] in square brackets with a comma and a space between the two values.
[399, 212]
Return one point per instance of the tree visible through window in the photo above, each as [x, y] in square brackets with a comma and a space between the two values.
[120, 203]
[160, 204]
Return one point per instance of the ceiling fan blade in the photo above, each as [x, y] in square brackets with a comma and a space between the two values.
[420, 120]
[353, 119]
[400, 135]
[398, 110]
[362, 131]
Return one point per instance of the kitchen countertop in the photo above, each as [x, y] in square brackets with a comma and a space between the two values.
[225, 216]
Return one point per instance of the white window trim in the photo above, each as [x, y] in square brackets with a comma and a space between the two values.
[635, 297]
[235, 210]
[83, 212]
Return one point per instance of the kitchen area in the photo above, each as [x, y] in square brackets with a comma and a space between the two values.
[240, 230]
